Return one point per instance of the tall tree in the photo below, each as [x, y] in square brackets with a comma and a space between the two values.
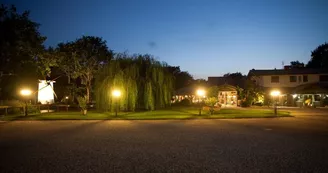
[319, 57]
[83, 58]
[144, 83]
[20, 44]
[20, 39]
[181, 78]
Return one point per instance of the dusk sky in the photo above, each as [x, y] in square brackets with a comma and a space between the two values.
[205, 38]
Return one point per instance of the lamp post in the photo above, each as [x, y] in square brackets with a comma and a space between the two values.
[274, 94]
[116, 95]
[200, 93]
[25, 93]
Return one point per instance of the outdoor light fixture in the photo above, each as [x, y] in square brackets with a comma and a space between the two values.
[200, 93]
[25, 92]
[116, 94]
[274, 94]
[294, 95]
[66, 97]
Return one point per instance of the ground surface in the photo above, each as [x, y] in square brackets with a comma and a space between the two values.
[292, 144]
[172, 113]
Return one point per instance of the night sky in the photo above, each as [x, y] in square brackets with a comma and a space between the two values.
[206, 38]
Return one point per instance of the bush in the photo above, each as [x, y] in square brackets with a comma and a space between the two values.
[82, 102]
[211, 102]
[246, 103]
[184, 102]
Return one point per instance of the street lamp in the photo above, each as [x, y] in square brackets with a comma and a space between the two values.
[25, 93]
[200, 93]
[116, 94]
[274, 94]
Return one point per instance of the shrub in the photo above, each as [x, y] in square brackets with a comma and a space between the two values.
[184, 102]
[82, 102]
[246, 103]
[211, 102]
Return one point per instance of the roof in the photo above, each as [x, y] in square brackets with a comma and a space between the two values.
[227, 87]
[295, 71]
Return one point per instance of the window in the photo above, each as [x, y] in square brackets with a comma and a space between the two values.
[305, 78]
[299, 79]
[323, 78]
[274, 79]
[292, 78]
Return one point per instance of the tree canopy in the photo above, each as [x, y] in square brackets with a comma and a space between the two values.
[144, 83]
[82, 59]
[319, 57]
[20, 44]
[181, 78]
[296, 64]
[20, 39]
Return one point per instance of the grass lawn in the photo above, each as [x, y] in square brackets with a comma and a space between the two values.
[173, 113]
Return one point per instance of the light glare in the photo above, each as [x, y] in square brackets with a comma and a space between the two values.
[26, 92]
[116, 93]
[200, 92]
[275, 93]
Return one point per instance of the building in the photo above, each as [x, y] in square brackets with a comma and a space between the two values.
[228, 88]
[298, 86]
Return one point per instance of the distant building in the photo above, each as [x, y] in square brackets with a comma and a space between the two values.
[298, 86]
[228, 92]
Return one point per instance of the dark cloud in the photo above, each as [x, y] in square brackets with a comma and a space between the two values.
[152, 44]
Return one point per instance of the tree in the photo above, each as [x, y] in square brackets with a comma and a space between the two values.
[319, 57]
[211, 101]
[20, 39]
[20, 44]
[233, 75]
[45, 61]
[296, 64]
[213, 91]
[83, 58]
[181, 78]
[144, 83]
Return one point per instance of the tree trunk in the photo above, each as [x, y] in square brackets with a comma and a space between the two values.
[68, 79]
[88, 93]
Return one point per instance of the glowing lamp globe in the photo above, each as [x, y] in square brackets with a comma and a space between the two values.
[26, 92]
[275, 93]
[116, 93]
[200, 92]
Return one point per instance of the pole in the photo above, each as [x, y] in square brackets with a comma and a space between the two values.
[200, 107]
[25, 108]
[116, 108]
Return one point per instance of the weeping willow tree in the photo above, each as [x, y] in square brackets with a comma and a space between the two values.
[144, 84]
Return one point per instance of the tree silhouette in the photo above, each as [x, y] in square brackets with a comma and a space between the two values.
[319, 57]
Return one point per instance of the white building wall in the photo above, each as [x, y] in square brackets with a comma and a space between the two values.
[284, 80]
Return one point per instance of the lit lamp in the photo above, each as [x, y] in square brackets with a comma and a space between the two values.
[275, 94]
[116, 94]
[200, 93]
[25, 93]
